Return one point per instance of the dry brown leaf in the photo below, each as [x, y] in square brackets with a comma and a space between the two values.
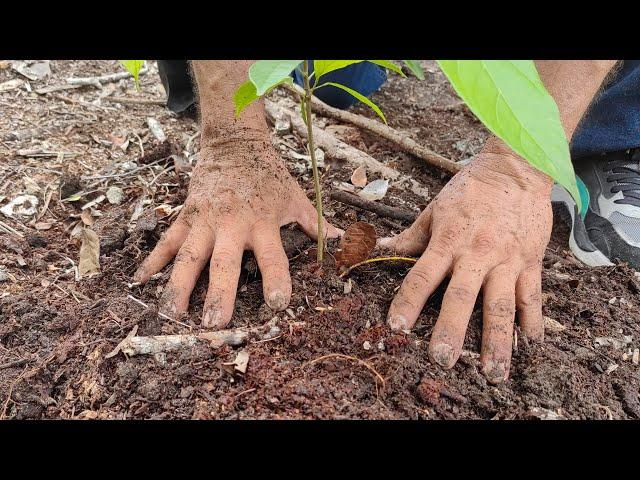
[86, 217]
[43, 225]
[89, 253]
[359, 176]
[553, 325]
[356, 244]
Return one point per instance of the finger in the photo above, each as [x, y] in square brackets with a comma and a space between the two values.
[457, 306]
[224, 272]
[414, 239]
[164, 251]
[307, 219]
[529, 303]
[191, 259]
[498, 311]
[274, 266]
[419, 284]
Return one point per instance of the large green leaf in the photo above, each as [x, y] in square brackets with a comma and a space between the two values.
[359, 96]
[511, 100]
[415, 67]
[322, 67]
[133, 67]
[388, 64]
[265, 74]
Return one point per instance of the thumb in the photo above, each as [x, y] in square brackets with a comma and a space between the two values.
[307, 219]
[414, 239]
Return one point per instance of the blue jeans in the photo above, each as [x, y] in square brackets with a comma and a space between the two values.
[611, 123]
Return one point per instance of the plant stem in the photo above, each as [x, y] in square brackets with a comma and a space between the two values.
[312, 153]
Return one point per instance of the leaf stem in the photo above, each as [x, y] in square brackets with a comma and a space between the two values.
[377, 259]
[312, 153]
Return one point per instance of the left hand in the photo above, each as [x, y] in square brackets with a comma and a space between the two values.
[488, 228]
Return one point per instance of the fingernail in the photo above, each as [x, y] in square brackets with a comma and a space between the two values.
[442, 354]
[137, 277]
[398, 322]
[495, 372]
[212, 318]
[276, 300]
[384, 242]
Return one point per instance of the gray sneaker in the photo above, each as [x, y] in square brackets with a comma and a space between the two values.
[610, 227]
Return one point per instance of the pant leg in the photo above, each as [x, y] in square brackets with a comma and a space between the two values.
[364, 77]
[176, 80]
[612, 121]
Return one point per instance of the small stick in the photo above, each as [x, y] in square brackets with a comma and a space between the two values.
[378, 259]
[98, 81]
[137, 101]
[15, 363]
[404, 142]
[160, 314]
[348, 357]
[377, 208]
[10, 229]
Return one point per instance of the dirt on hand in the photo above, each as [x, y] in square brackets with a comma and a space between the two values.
[56, 331]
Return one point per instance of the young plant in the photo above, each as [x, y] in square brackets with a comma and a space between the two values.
[265, 75]
[133, 67]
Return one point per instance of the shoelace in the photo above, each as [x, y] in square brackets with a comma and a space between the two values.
[625, 174]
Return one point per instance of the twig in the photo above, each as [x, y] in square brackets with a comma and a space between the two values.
[137, 101]
[337, 149]
[15, 363]
[98, 81]
[378, 259]
[10, 393]
[347, 357]
[405, 143]
[125, 174]
[10, 229]
[377, 208]
[80, 102]
[160, 314]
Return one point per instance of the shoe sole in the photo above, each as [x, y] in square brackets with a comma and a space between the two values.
[583, 249]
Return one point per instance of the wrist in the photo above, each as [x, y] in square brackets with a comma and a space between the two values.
[502, 165]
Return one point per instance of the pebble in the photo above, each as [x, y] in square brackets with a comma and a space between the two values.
[115, 195]
[366, 345]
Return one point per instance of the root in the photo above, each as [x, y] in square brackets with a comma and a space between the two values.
[378, 259]
[355, 359]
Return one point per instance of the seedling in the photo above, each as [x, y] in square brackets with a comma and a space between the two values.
[265, 75]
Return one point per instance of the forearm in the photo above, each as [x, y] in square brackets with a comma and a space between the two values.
[573, 84]
[217, 81]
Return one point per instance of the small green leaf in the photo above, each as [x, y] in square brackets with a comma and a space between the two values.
[360, 97]
[244, 96]
[415, 67]
[388, 64]
[511, 100]
[133, 67]
[322, 67]
[266, 74]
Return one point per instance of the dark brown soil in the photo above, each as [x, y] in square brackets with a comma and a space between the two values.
[334, 346]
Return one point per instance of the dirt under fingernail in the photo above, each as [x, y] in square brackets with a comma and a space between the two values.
[496, 372]
[442, 354]
[276, 300]
[398, 322]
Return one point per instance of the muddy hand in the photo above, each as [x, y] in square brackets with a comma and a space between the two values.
[487, 229]
[239, 196]
[235, 203]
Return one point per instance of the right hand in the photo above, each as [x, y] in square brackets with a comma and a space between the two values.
[240, 195]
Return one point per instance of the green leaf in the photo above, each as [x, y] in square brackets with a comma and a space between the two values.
[244, 96]
[322, 67]
[415, 67]
[360, 97]
[388, 64]
[133, 67]
[511, 100]
[266, 74]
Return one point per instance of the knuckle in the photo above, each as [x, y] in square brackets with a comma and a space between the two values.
[418, 276]
[502, 307]
[531, 300]
[460, 293]
[187, 254]
[483, 243]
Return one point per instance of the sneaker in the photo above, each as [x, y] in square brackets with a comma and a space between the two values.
[608, 229]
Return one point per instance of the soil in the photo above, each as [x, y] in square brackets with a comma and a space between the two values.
[335, 358]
